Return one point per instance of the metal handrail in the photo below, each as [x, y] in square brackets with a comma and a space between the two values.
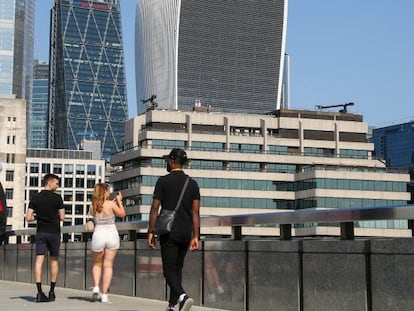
[344, 216]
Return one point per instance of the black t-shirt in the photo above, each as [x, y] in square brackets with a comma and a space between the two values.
[46, 204]
[167, 190]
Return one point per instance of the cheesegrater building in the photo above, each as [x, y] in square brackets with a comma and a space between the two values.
[224, 54]
[88, 89]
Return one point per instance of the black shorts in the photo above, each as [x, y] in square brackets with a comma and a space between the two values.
[46, 241]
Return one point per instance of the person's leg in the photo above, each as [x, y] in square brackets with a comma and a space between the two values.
[38, 268]
[108, 263]
[172, 260]
[97, 267]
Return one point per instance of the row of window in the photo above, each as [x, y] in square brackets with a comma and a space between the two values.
[56, 168]
[254, 148]
[255, 203]
[343, 184]
[67, 182]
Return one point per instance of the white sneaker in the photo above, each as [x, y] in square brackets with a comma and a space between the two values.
[95, 293]
[105, 298]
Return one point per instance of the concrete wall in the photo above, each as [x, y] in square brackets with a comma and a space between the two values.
[304, 275]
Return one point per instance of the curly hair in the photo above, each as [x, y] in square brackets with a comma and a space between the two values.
[98, 197]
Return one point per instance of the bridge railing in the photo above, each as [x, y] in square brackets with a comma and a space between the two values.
[345, 217]
[251, 273]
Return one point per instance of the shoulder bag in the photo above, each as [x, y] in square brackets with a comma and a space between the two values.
[166, 217]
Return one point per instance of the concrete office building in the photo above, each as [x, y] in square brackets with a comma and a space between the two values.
[39, 110]
[78, 172]
[16, 49]
[88, 87]
[228, 55]
[246, 163]
[13, 157]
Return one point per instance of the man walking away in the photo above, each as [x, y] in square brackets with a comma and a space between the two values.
[185, 230]
[47, 208]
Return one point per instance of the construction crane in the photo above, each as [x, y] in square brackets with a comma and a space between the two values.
[151, 104]
[344, 109]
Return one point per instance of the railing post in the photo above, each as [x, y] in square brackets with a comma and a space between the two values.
[236, 233]
[132, 235]
[285, 231]
[347, 231]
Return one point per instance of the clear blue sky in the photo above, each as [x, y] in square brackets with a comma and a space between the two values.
[340, 51]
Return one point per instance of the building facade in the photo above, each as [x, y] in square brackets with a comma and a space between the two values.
[78, 172]
[88, 87]
[13, 158]
[228, 55]
[39, 110]
[16, 49]
[260, 163]
[395, 144]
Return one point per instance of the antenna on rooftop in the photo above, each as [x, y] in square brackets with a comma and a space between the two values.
[151, 104]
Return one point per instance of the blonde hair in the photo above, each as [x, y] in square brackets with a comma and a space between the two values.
[98, 197]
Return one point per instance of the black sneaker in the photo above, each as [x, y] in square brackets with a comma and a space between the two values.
[186, 304]
[41, 297]
[52, 296]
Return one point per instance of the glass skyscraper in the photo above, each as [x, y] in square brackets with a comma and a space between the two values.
[16, 48]
[88, 88]
[225, 54]
[39, 110]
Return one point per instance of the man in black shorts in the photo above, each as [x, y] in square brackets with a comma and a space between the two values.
[185, 230]
[49, 210]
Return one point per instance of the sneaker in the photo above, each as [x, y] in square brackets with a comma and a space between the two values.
[95, 293]
[105, 298]
[41, 297]
[186, 304]
[52, 296]
[169, 308]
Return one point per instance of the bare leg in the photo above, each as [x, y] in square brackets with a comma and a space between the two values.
[54, 268]
[108, 263]
[38, 268]
[97, 267]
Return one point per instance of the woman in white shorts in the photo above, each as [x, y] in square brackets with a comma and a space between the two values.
[105, 238]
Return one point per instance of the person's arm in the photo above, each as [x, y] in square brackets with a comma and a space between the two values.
[30, 215]
[118, 207]
[152, 220]
[196, 225]
[62, 214]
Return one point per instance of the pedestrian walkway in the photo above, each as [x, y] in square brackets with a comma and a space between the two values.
[21, 296]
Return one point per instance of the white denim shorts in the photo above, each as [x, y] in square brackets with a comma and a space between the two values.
[105, 237]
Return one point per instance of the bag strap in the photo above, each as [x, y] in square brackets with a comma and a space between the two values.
[182, 194]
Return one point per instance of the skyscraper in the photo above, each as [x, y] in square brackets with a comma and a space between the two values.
[88, 88]
[225, 54]
[16, 48]
[39, 110]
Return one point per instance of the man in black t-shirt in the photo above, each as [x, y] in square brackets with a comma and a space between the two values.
[49, 210]
[185, 230]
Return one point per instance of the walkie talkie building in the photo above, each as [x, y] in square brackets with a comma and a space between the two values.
[227, 54]
[88, 88]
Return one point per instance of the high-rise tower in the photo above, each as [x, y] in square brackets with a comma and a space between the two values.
[39, 110]
[225, 54]
[88, 88]
[16, 49]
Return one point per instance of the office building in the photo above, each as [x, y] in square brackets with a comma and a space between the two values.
[78, 172]
[39, 110]
[226, 55]
[16, 49]
[395, 144]
[246, 163]
[88, 88]
[13, 157]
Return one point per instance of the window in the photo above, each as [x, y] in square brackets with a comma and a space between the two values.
[57, 169]
[34, 168]
[9, 193]
[45, 168]
[10, 158]
[9, 175]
